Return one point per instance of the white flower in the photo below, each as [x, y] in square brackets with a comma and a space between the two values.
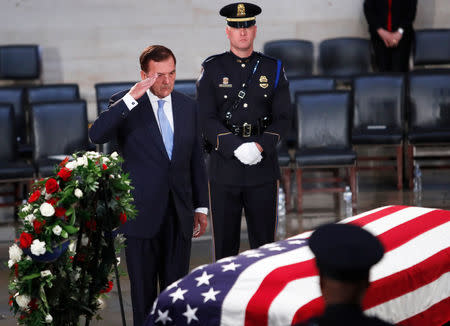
[46, 273]
[118, 261]
[92, 154]
[82, 161]
[105, 160]
[71, 165]
[10, 263]
[47, 209]
[111, 176]
[28, 258]
[114, 155]
[38, 247]
[35, 211]
[23, 301]
[15, 253]
[48, 319]
[26, 208]
[48, 196]
[78, 193]
[73, 246]
[30, 218]
[84, 240]
[57, 230]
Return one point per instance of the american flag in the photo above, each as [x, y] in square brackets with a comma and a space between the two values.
[278, 284]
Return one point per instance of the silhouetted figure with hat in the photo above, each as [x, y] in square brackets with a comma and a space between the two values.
[344, 255]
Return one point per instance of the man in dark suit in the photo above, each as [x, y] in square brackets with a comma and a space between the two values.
[391, 29]
[158, 137]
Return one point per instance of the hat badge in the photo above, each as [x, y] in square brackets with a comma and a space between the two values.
[240, 10]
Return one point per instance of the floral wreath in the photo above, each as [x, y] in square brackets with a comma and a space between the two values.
[63, 261]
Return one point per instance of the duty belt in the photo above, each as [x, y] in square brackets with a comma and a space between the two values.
[247, 129]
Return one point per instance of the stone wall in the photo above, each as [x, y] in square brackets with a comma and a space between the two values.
[91, 41]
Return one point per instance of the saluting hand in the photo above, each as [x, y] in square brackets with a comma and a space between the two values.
[141, 87]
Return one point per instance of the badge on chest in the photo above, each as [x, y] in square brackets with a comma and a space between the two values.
[225, 83]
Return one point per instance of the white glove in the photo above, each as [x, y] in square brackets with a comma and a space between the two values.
[248, 153]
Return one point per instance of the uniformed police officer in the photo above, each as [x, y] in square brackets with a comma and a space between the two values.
[344, 255]
[245, 108]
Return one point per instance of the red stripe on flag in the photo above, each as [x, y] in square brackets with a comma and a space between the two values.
[407, 280]
[313, 308]
[258, 306]
[405, 232]
[437, 314]
[257, 312]
[377, 215]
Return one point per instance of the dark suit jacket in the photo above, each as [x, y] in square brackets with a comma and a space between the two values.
[153, 175]
[403, 14]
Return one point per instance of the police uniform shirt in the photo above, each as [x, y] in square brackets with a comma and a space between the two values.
[223, 76]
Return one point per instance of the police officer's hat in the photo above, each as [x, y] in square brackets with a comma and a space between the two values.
[240, 14]
[345, 252]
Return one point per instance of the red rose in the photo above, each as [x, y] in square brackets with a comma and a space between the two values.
[10, 300]
[64, 173]
[104, 166]
[64, 162]
[52, 201]
[109, 287]
[38, 226]
[33, 305]
[91, 225]
[34, 196]
[60, 212]
[25, 240]
[123, 218]
[51, 186]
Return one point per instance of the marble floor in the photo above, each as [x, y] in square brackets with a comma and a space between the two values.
[374, 190]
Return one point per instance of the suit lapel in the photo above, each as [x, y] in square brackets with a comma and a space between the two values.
[154, 134]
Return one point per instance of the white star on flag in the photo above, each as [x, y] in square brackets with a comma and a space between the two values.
[225, 260]
[190, 314]
[204, 279]
[296, 241]
[163, 317]
[154, 306]
[277, 249]
[210, 295]
[178, 294]
[249, 252]
[270, 245]
[255, 255]
[230, 267]
[173, 285]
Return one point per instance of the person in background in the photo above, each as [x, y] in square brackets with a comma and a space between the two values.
[391, 30]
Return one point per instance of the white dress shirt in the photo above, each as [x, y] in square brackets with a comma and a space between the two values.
[130, 102]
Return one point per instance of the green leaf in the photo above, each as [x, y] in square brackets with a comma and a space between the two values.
[31, 276]
[69, 229]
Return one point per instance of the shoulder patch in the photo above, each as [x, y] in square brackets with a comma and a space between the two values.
[211, 58]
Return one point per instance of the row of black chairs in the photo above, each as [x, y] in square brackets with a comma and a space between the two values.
[348, 56]
[406, 113]
[343, 56]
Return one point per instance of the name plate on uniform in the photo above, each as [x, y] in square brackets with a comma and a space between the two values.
[376, 127]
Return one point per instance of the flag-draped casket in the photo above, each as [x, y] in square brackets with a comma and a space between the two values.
[278, 284]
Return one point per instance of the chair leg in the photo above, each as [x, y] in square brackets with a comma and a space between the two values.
[299, 190]
[400, 167]
[410, 164]
[352, 174]
[287, 187]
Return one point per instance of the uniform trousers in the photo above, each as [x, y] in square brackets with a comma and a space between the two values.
[160, 260]
[392, 59]
[260, 207]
